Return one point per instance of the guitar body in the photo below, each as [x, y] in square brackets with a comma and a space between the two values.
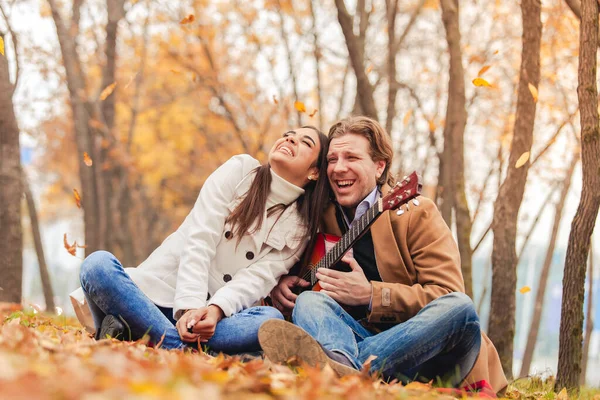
[323, 244]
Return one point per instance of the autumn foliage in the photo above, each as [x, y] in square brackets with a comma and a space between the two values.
[47, 358]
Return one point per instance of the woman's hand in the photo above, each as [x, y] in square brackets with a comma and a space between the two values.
[202, 321]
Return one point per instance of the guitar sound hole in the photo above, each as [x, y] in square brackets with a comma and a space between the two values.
[342, 266]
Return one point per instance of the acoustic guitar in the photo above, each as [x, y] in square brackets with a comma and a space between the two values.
[329, 249]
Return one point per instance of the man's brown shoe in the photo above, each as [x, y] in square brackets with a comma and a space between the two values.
[281, 340]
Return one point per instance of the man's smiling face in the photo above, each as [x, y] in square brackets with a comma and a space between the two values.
[351, 171]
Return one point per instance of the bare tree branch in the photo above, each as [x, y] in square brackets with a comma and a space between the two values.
[534, 224]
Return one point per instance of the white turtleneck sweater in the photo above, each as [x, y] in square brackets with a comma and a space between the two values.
[282, 191]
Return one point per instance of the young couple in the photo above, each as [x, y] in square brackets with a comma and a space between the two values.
[252, 223]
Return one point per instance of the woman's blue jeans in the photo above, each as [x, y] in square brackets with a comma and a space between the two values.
[109, 290]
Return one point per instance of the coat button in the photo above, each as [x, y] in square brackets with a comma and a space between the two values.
[226, 277]
[228, 235]
[249, 255]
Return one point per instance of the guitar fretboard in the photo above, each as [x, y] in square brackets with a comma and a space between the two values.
[357, 229]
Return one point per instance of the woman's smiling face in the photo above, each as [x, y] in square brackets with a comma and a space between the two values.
[294, 156]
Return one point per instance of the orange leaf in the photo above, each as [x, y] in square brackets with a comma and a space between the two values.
[175, 71]
[497, 51]
[481, 82]
[522, 160]
[275, 99]
[483, 70]
[190, 18]
[77, 198]
[1, 45]
[431, 126]
[525, 289]
[70, 248]
[94, 123]
[312, 114]
[87, 159]
[107, 91]
[369, 69]
[534, 92]
[300, 106]
[407, 117]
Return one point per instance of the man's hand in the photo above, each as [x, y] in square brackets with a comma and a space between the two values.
[350, 288]
[282, 296]
[202, 321]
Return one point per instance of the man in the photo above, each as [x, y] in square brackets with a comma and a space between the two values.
[405, 272]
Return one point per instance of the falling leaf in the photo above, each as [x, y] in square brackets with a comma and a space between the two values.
[70, 248]
[483, 70]
[300, 106]
[525, 289]
[130, 80]
[190, 18]
[275, 99]
[407, 117]
[534, 92]
[1, 45]
[432, 126]
[77, 198]
[369, 69]
[522, 160]
[312, 114]
[175, 71]
[481, 82]
[107, 91]
[87, 159]
[94, 123]
[496, 52]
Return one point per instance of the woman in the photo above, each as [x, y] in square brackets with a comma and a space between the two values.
[249, 226]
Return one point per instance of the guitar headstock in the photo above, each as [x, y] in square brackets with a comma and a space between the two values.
[405, 190]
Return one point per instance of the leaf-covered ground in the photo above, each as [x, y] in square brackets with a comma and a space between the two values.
[49, 357]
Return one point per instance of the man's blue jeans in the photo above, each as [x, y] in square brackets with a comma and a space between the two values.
[441, 342]
[109, 290]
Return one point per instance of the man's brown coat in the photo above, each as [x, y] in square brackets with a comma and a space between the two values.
[418, 261]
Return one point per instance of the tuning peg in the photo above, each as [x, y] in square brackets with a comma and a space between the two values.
[400, 212]
[407, 207]
[416, 202]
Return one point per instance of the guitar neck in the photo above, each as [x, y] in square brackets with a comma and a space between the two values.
[356, 231]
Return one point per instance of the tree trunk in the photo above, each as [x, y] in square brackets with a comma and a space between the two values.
[391, 11]
[589, 321]
[39, 249]
[456, 119]
[506, 210]
[115, 12]
[571, 321]
[290, 60]
[543, 281]
[83, 133]
[356, 53]
[318, 56]
[11, 237]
